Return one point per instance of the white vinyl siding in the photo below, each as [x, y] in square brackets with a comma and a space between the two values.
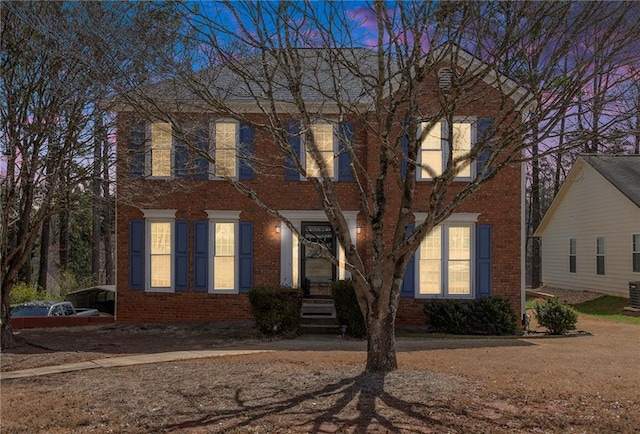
[590, 206]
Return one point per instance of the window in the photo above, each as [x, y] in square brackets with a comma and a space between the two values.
[434, 150]
[636, 253]
[224, 256]
[445, 261]
[323, 137]
[160, 155]
[223, 260]
[600, 256]
[160, 254]
[572, 255]
[226, 139]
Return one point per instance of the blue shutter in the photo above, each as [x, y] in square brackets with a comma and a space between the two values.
[136, 254]
[344, 157]
[201, 256]
[293, 138]
[136, 150]
[246, 142]
[483, 260]
[181, 159]
[201, 164]
[484, 129]
[246, 256]
[182, 256]
[409, 280]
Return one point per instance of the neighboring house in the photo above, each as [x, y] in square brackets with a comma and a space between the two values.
[190, 246]
[591, 233]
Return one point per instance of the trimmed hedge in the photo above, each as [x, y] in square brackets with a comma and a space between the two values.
[347, 308]
[483, 316]
[276, 306]
[557, 316]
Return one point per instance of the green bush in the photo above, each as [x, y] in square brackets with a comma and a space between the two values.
[23, 293]
[448, 316]
[556, 316]
[276, 306]
[491, 316]
[347, 308]
[483, 316]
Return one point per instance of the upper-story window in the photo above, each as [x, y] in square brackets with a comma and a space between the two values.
[160, 150]
[323, 137]
[333, 142]
[225, 144]
[434, 149]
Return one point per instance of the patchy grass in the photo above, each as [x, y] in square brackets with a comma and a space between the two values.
[607, 307]
[530, 302]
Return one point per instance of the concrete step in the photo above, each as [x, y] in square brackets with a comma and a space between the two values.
[318, 329]
[313, 321]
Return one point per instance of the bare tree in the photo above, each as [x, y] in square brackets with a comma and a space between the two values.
[53, 68]
[378, 80]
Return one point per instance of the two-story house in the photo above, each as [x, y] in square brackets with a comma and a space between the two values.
[190, 245]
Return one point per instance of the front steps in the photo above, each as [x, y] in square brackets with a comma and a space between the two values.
[318, 316]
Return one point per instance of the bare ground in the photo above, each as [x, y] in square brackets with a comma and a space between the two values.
[580, 384]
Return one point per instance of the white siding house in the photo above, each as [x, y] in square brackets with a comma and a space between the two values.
[591, 233]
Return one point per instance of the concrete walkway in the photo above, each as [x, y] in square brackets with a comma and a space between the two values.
[112, 362]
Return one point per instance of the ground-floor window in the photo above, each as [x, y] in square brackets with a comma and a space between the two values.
[223, 230]
[445, 261]
[160, 249]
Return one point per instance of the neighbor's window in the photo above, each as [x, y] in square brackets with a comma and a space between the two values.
[323, 137]
[600, 256]
[225, 149]
[160, 164]
[572, 255]
[636, 253]
[160, 254]
[445, 261]
[224, 259]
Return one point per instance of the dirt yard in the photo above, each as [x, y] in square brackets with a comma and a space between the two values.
[588, 383]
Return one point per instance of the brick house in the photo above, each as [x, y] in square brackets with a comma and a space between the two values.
[190, 246]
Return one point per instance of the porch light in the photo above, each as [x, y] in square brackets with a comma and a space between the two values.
[359, 229]
[277, 228]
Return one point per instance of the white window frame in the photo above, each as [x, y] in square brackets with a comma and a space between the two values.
[599, 254]
[468, 220]
[212, 147]
[215, 217]
[149, 153]
[635, 250]
[336, 143]
[159, 216]
[444, 148]
[573, 253]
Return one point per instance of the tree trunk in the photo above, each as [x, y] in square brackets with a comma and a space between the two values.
[381, 343]
[64, 234]
[44, 254]
[96, 203]
[535, 216]
[6, 332]
[107, 212]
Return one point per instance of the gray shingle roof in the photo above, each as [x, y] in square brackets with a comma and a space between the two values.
[623, 171]
[327, 75]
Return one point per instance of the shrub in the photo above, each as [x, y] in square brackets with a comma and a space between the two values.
[556, 316]
[491, 316]
[484, 316]
[23, 293]
[448, 316]
[276, 305]
[347, 308]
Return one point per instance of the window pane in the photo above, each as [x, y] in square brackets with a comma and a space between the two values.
[636, 262]
[224, 272]
[432, 159]
[323, 137]
[572, 264]
[636, 243]
[459, 277]
[432, 139]
[600, 245]
[636, 253]
[161, 149]
[161, 271]
[459, 243]
[461, 146]
[225, 149]
[160, 238]
[572, 246]
[224, 242]
[430, 262]
[600, 265]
